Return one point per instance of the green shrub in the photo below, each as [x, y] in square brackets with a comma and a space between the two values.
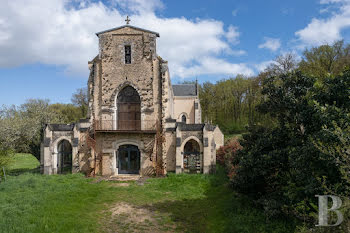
[282, 168]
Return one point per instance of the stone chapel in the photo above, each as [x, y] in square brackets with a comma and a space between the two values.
[138, 122]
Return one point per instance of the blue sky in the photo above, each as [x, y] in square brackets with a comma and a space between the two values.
[45, 46]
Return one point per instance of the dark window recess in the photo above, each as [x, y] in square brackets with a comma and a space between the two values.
[183, 119]
[127, 54]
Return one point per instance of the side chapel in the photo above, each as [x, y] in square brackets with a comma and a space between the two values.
[138, 122]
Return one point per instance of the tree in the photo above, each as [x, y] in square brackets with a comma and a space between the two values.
[80, 99]
[67, 112]
[231, 103]
[326, 60]
[282, 64]
[21, 128]
[282, 167]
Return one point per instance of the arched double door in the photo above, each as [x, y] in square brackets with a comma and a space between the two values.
[128, 159]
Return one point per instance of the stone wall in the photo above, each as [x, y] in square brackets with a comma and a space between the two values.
[110, 143]
[149, 75]
[53, 135]
[184, 105]
[111, 74]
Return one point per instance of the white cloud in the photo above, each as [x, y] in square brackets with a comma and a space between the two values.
[328, 30]
[232, 34]
[139, 6]
[324, 10]
[62, 33]
[236, 52]
[210, 65]
[271, 43]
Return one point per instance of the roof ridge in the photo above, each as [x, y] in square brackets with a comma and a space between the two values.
[127, 25]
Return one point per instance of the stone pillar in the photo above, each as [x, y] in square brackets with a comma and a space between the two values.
[47, 161]
[75, 158]
[197, 112]
[106, 164]
[207, 137]
[179, 153]
[54, 162]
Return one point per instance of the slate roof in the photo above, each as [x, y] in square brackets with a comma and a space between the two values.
[170, 120]
[210, 127]
[190, 127]
[137, 28]
[185, 90]
[61, 127]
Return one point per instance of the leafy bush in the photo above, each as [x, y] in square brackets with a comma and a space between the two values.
[283, 167]
[226, 154]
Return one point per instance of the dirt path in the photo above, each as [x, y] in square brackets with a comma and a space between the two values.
[128, 218]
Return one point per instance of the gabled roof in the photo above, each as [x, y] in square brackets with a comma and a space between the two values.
[185, 90]
[141, 29]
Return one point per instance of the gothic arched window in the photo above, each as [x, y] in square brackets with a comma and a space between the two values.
[129, 109]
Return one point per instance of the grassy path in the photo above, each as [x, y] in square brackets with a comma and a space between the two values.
[177, 203]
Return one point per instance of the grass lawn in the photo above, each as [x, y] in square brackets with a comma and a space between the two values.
[177, 203]
[22, 163]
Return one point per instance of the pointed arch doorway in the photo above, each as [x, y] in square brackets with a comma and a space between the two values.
[64, 158]
[192, 159]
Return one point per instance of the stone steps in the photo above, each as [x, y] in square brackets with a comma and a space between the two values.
[125, 177]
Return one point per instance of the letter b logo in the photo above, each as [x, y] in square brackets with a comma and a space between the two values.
[323, 209]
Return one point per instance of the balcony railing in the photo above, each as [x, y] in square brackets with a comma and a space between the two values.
[125, 125]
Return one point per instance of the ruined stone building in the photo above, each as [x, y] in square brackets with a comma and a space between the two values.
[138, 122]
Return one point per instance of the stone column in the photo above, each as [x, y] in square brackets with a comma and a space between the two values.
[47, 163]
[207, 137]
[197, 112]
[179, 153]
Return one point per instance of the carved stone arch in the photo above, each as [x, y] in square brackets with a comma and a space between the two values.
[58, 140]
[194, 138]
[135, 142]
[128, 109]
[63, 157]
[114, 102]
[192, 153]
[114, 95]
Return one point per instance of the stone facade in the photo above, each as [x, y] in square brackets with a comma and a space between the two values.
[137, 120]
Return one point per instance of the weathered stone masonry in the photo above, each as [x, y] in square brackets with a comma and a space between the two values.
[131, 105]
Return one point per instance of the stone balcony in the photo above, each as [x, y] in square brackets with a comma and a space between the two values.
[129, 126]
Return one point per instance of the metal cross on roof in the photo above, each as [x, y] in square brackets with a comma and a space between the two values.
[127, 20]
